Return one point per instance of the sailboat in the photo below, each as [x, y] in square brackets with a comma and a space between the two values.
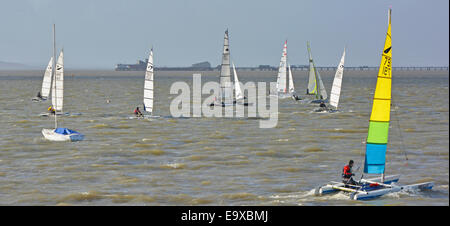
[59, 133]
[148, 88]
[315, 84]
[282, 90]
[46, 83]
[376, 144]
[225, 97]
[336, 88]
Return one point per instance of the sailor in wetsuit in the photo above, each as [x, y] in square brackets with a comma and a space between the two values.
[51, 110]
[137, 112]
[347, 174]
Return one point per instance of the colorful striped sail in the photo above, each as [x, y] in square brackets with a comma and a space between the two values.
[379, 120]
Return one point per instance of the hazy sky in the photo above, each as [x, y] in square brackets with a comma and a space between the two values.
[102, 33]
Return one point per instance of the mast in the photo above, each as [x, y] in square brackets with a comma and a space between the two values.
[54, 72]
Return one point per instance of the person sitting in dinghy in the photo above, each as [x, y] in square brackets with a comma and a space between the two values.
[137, 112]
[347, 175]
[39, 95]
[51, 110]
[295, 97]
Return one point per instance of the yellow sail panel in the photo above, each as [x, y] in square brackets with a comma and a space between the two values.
[383, 88]
[382, 98]
[381, 110]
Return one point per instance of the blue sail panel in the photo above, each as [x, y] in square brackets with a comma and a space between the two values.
[375, 158]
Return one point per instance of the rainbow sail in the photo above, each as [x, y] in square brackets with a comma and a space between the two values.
[377, 137]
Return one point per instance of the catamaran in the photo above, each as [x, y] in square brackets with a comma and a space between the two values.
[46, 83]
[58, 133]
[225, 97]
[315, 84]
[376, 143]
[336, 88]
[282, 91]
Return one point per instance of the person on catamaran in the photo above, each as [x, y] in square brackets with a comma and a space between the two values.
[51, 110]
[39, 95]
[137, 112]
[323, 106]
[347, 175]
[295, 97]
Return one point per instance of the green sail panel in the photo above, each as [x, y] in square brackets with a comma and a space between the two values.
[378, 132]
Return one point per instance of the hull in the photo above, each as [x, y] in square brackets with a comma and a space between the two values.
[318, 101]
[375, 193]
[370, 189]
[51, 135]
[282, 95]
[331, 188]
[37, 99]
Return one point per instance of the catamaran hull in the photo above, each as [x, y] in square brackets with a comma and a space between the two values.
[282, 95]
[318, 101]
[332, 187]
[37, 99]
[51, 135]
[377, 193]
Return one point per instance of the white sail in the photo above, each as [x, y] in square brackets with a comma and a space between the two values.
[225, 91]
[291, 81]
[312, 87]
[237, 86]
[322, 91]
[281, 78]
[58, 84]
[47, 81]
[336, 88]
[148, 84]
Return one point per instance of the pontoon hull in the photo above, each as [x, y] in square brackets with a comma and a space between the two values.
[51, 135]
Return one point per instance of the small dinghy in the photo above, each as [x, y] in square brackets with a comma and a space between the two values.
[281, 90]
[225, 97]
[315, 84]
[148, 91]
[376, 144]
[62, 134]
[59, 134]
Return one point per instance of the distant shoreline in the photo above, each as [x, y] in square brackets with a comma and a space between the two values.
[244, 73]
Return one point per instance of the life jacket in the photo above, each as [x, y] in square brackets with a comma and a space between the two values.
[347, 172]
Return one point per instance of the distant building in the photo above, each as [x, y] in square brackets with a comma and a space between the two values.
[140, 66]
[202, 65]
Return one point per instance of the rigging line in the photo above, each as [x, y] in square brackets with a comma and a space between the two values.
[401, 134]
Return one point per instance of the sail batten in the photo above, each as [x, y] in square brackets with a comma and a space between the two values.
[377, 137]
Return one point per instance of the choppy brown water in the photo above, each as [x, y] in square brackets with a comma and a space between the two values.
[213, 161]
